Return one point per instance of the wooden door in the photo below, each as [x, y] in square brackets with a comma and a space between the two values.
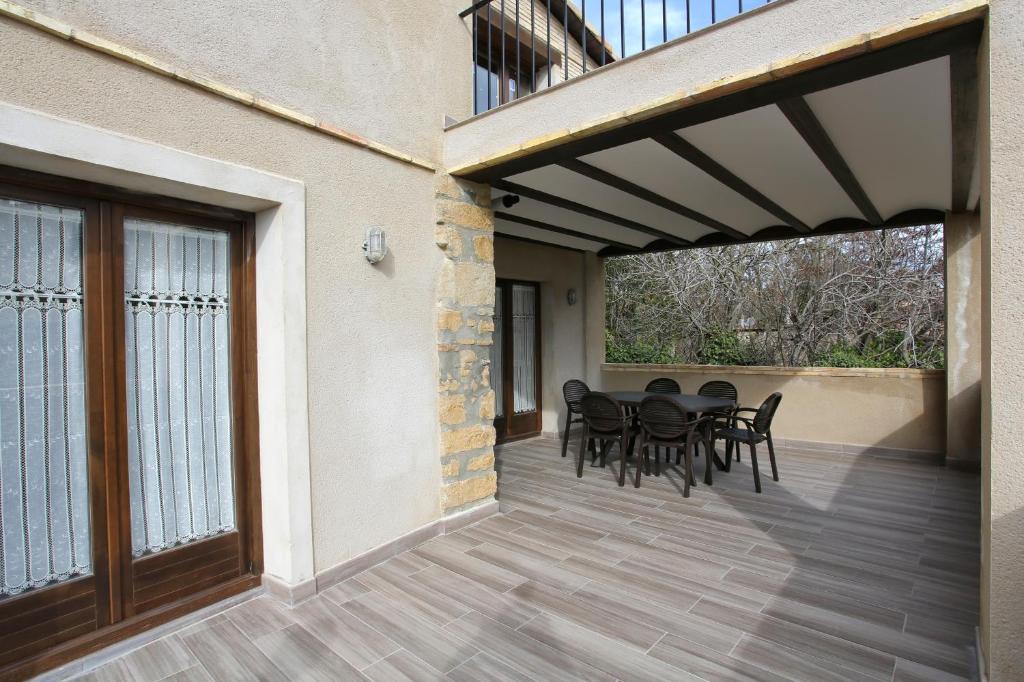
[515, 359]
[54, 446]
[129, 477]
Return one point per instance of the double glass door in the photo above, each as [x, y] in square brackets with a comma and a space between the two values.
[515, 359]
[122, 481]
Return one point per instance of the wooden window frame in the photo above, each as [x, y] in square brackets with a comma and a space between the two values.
[104, 208]
[511, 427]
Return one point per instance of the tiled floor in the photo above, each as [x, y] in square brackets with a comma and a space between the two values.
[848, 569]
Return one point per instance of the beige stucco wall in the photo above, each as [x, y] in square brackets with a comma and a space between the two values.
[962, 240]
[893, 409]
[1002, 205]
[562, 342]
[371, 330]
[751, 44]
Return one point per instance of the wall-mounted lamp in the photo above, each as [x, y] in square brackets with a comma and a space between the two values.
[376, 245]
[571, 297]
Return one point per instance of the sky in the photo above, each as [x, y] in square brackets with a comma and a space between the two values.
[675, 12]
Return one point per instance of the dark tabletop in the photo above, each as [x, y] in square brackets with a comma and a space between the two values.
[690, 403]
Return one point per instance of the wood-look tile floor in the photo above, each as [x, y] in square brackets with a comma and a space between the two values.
[849, 568]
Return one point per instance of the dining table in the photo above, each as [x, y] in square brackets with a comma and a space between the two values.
[694, 405]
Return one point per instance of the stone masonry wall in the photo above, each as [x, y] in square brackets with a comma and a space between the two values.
[465, 322]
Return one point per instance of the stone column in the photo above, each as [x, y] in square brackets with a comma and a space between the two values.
[465, 321]
[593, 318]
[963, 340]
[1002, 224]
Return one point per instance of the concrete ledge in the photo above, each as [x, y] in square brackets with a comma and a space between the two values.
[877, 372]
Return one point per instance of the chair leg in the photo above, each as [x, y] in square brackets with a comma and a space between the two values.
[753, 465]
[657, 463]
[657, 451]
[583, 451]
[688, 469]
[565, 437]
[593, 451]
[604, 452]
[771, 457]
[643, 461]
[622, 461]
[728, 453]
[708, 465]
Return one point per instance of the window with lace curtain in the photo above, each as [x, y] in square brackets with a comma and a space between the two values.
[126, 403]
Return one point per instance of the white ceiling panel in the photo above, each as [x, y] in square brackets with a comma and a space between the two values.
[560, 217]
[894, 132]
[762, 147]
[650, 165]
[570, 185]
[516, 230]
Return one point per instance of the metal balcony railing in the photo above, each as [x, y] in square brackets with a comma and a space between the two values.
[523, 46]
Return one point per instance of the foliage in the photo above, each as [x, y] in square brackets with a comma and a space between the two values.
[636, 352]
[868, 299]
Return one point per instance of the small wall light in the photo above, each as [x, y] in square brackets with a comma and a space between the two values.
[571, 297]
[376, 245]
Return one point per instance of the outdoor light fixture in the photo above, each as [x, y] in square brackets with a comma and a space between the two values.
[376, 245]
[571, 297]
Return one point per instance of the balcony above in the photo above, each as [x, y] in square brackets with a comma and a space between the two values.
[770, 124]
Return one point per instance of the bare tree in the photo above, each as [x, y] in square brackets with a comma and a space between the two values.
[869, 298]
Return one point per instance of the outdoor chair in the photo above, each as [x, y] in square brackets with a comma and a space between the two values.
[605, 421]
[756, 430]
[573, 391]
[720, 389]
[663, 422]
[663, 385]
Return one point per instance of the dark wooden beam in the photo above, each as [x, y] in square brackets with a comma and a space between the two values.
[807, 124]
[916, 51]
[530, 222]
[911, 218]
[537, 242]
[623, 185]
[582, 209]
[687, 151]
[963, 90]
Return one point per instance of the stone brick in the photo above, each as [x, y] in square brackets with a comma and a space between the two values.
[467, 361]
[484, 248]
[465, 214]
[473, 284]
[486, 325]
[487, 404]
[449, 239]
[450, 320]
[450, 468]
[463, 190]
[452, 408]
[463, 492]
[481, 462]
[469, 438]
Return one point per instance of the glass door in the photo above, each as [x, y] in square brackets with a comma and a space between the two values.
[515, 359]
[129, 480]
[179, 296]
[53, 572]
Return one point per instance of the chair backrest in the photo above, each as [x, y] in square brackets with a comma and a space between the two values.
[573, 390]
[719, 389]
[663, 385]
[602, 413]
[765, 413]
[663, 418]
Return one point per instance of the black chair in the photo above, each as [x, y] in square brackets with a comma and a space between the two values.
[663, 385]
[573, 391]
[757, 430]
[721, 389]
[605, 421]
[663, 422]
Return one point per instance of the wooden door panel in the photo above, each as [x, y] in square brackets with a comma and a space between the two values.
[47, 616]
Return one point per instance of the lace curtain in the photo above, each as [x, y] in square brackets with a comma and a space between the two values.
[178, 375]
[524, 332]
[44, 493]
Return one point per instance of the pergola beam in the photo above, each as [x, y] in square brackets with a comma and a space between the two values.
[539, 225]
[688, 152]
[582, 209]
[623, 185]
[963, 91]
[807, 124]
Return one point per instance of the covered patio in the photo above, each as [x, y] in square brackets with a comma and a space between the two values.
[849, 568]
